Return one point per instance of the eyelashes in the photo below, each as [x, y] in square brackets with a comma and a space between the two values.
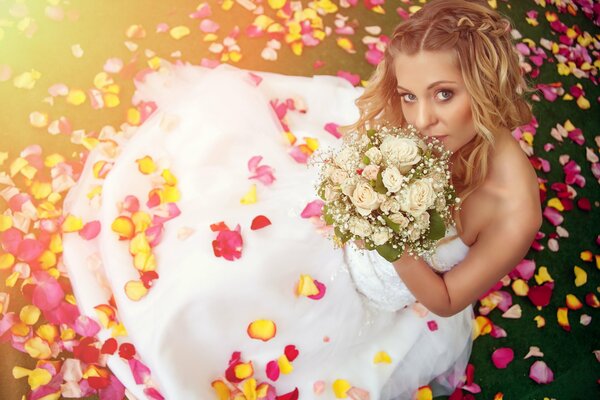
[448, 95]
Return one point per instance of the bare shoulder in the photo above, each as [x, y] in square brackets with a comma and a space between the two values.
[509, 199]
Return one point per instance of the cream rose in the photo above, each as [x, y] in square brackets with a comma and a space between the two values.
[381, 236]
[338, 176]
[401, 152]
[364, 197]
[370, 172]
[360, 227]
[345, 159]
[399, 219]
[348, 187]
[392, 179]
[418, 197]
[331, 194]
[374, 155]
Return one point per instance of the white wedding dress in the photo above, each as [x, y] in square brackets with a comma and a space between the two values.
[206, 126]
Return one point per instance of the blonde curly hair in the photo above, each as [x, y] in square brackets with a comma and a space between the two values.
[482, 43]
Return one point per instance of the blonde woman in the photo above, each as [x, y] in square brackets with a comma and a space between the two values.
[257, 311]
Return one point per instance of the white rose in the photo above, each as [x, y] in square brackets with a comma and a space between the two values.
[381, 236]
[330, 194]
[392, 179]
[401, 152]
[364, 197]
[423, 221]
[374, 155]
[370, 172]
[345, 159]
[360, 227]
[386, 206]
[414, 234]
[418, 197]
[348, 187]
[400, 219]
[338, 176]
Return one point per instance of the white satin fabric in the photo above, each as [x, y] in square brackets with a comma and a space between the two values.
[207, 126]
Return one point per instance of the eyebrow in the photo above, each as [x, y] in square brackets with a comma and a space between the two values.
[428, 87]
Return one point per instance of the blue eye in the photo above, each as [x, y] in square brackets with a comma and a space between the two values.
[405, 97]
[447, 96]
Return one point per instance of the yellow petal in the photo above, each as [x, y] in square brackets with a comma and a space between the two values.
[171, 194]
[123, 226]
[139, 244]
[38, 377]
[134, 117]
[580, 276]
[37, 348]
[146, 165]
[276, 4]
[141, 220]
[72, 224]
[543, 276]
[481, 326]
[556, 203]
[345, 44]
[179, 32]
[586, 255]
[243, 370]
[135, 290]
[48, 332]
[520, 287]
[20, 372]
[111, 100]
[76, 97]
[221, 389]
[262, 329]
[573, 302]
[144, 262]
[583, 103]
[285, 367]
[56, 244]
[27, 80]
[424, 393]
[312, 143]
[6, 261]
[249, 389]
[568, 125]
[382, 357]
[5, 224]
[540, 321]
[340, 388]
[29, 314]
[47, 259]
[306, 286]
[67, 334]
[250, 196]
[562, 314]
[169, 178]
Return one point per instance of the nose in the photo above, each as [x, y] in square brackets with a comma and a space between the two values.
[425, 116]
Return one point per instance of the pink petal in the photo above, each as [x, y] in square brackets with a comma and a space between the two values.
[298, 155]
[90, 230]
[354, 79]
[374, 56]
[48, 293]
[256, 79]
[202, 12]
[272, 370]
[153, 393]
[322, 289]
[502, 357]
[540, 372]
[10, 240]
[506, 300]
[332, 128]
[209, 26]
[553, 215]
[65, 313]
[432, 325]
[253, 163]
[131, 204]
[114, 391]
[30, 250]
[141, 373]
[86, 326]
[313, 209]
[524, 270]
[6, 322]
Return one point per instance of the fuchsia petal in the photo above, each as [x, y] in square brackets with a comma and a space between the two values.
[90, 230]
[354, 79]
[272, 370]
[30, 250]
[313, 209]
[10, 240]
[524, 270]
[502, 357]
[141, 373]
[540, 372]
[48, 293]
[322, 289]
[297, 154]
[153, 394]
[253, 163]
[114, 391]
[332, 128]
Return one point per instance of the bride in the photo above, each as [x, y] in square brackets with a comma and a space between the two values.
[203, 235]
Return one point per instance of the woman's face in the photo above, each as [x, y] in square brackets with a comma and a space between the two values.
[434, 97]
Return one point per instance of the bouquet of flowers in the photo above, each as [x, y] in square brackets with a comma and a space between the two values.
[388, 188]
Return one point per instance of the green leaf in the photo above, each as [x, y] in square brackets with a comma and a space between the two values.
[437, 228]
[371, 133]
[326, 216]
[389, 253]
[344, 237]
[395, 227]
[366, 160]
[379, 186]
[321, 191]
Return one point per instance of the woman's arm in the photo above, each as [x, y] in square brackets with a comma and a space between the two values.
[498, 249]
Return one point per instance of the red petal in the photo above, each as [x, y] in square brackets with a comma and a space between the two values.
[259, 222]
[584, 204]
[127, 351]
[540, 295]
[109, 347]
[293, 395]
[291, 352]
[272, 370]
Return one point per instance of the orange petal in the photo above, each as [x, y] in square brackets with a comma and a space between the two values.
[573, 302]
[540, 321]
[221, 389]
[580, 276]
[563, 318]
[262, 329]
